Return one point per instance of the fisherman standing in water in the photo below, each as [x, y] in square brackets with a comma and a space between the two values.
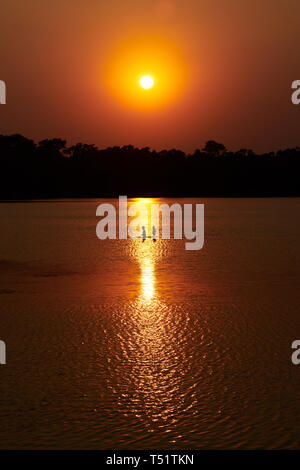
[144, 234]
[154, 233]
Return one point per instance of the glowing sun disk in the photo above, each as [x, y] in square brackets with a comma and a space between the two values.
[146, 82]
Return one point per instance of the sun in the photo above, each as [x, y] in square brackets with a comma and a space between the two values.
[145, 73]
[146, 82]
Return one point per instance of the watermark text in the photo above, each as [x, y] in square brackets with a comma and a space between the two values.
[152, 220]
[2, 352]
[2, 92]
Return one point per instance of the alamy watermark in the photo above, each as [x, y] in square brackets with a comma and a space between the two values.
[296, 354]
[2, 352]
[2, 92]
[296, 94]
[143, 217]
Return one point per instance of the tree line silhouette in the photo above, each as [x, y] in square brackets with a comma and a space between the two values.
[51, 169]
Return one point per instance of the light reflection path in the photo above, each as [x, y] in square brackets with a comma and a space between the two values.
[147, 278]
[146, 253]
[153, 347]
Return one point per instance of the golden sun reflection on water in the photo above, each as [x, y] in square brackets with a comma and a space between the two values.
[147, 278]
[146, 252]
[151, 344]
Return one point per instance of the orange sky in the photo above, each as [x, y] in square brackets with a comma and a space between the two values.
[225, 69]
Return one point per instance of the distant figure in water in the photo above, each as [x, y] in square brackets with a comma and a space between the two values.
[154, 233]
[144, 234]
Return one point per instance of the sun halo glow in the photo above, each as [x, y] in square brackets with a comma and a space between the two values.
[153, 73]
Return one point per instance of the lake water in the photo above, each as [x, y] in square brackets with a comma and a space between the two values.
[121, 344]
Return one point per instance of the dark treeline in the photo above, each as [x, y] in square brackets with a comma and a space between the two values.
[50, 169]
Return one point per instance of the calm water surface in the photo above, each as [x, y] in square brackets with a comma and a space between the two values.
[124, 344]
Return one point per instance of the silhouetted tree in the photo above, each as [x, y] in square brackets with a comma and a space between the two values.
[214, 148]
[51, 169]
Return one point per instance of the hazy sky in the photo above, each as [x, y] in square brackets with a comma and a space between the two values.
[239, 59]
